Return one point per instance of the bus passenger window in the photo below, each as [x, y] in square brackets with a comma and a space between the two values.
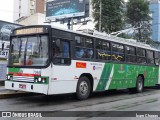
[56, 49]
[84, 47]
[61, 52]
[103, 50]
[66, 49]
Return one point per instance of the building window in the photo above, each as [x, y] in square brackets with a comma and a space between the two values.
[32, 11]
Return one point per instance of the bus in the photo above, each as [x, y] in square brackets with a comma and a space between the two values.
[48, 60]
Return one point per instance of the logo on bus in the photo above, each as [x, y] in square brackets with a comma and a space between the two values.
[81, 65]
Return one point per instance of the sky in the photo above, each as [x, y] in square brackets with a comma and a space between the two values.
[6, 10]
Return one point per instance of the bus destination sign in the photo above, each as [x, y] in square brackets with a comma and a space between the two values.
[29, 31]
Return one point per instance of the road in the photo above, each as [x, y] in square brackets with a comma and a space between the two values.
[120, 100]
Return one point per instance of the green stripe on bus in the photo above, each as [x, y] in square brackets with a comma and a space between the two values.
[104, 77]
[125, 76]
[14, 70]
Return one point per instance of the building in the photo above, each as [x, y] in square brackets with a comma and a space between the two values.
[36, 16]
[5, 31]
[35, 19]
[155, 14]
[25, 8]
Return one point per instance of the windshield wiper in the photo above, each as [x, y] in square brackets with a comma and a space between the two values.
[40, 46]
[25, 52]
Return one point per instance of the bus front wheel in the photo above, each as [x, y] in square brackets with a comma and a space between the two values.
[83, 88]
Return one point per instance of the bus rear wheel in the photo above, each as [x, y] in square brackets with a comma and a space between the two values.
[83, 88]
[139, 84]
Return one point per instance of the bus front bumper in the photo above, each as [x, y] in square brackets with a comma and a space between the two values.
[27, 87]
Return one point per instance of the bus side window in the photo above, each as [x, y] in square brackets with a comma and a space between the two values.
[141, 56]
[56, 48]
[61, 52]
[83, 47]
[157, 58]
[66, 49]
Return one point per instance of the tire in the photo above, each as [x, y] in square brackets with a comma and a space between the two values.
[83, 88]
[139, 84]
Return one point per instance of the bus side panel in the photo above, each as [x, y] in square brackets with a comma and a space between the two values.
[65, 78]
[105, 76]
[117, 76]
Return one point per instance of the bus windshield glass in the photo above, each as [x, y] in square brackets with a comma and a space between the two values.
[29, 51]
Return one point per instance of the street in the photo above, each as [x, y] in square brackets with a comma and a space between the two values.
[120, 100]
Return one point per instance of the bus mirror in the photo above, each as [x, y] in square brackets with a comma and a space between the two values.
[58, 42]
[12, 47]
[2, 46]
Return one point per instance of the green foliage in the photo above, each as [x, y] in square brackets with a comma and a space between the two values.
[138, 16]
[112, 17]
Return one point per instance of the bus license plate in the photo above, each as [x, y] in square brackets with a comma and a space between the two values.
[22, 86]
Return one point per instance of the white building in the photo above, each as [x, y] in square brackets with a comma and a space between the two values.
[23, 8]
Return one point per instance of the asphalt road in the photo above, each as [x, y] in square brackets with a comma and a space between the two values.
[120, 100]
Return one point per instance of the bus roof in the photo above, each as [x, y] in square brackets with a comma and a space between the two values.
[103, 36]
[111, 38]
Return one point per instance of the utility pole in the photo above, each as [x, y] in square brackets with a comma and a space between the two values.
[100, 16]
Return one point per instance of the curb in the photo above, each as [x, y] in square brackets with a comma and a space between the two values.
[13, 94]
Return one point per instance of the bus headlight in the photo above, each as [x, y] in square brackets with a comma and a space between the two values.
[8, 77]
[39, 79]
[43, 80]
[11, 77]
[36, 80]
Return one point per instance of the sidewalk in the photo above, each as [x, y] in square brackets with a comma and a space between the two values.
[4, 93]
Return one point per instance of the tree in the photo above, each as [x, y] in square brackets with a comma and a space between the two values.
[112, 17]
[138, 16]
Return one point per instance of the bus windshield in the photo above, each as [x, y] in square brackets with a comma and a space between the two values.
[29, 51]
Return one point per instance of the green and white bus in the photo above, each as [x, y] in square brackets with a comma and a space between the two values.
[44, 59]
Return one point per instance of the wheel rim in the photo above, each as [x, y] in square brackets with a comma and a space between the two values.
[83, 88]
[140, 85]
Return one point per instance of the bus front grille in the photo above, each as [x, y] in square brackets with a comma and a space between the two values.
[23, 79]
